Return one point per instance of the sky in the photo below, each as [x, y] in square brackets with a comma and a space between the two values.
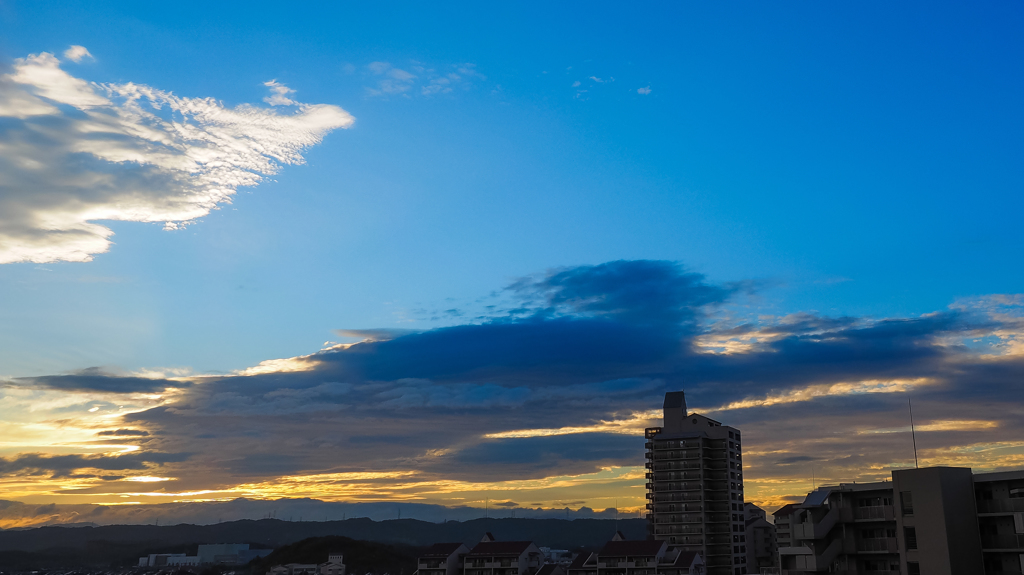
[451, 257]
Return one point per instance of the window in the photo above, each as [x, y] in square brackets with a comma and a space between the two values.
[731, 436]
[910, 537]
[913, 568]
[907, 502]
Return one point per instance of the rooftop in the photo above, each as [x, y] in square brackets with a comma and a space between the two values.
[631, 548]
[441, 549]
[491, 548]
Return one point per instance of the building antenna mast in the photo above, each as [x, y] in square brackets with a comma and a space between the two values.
[913, 435]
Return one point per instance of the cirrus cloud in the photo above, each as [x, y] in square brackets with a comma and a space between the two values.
[73, 153]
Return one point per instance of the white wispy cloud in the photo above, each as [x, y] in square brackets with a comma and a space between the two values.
[77, 53]
[78, 152]
[393, 81]
[279, 94]
[644, 91]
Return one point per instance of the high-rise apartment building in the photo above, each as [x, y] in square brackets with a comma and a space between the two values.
[695, 487]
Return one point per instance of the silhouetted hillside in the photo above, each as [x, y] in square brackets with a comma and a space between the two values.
[122, 545]
[360, 556]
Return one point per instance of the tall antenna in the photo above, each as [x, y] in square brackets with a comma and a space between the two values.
[814, 485]
[912, 434]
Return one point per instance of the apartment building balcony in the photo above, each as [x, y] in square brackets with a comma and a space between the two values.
[662, 508]
[718, 517]
[816, 529]
[801, 559]
[679, 518]
[1013, 543]
[1001, 506]
[679, 529]
[624, 564]
[872, 513]
[717, 552]
[662, 486]
[661, 465]
[672, 497]
[879, 545]
[695, 542]
[675, 475]
[855, 572]
[676, 455]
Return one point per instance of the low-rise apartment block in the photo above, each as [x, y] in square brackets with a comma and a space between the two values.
[442, 559]
[762, 545]
[931, 521]
[623, 557]
[1000, 501]
[490, 557]
[335, 565]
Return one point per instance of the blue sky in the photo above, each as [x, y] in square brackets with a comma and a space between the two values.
[850, 163]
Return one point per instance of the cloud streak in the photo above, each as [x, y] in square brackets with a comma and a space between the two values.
[546, 401]
[74, 153]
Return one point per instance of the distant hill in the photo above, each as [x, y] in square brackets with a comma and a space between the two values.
[360, 556]
[122, 545]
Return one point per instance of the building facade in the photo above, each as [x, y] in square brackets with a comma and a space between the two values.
[442, 559]
[695, 487]
[651, 557]
[783, 528]
[932, 521]
[490, 557]
[762, 545]
[1000, 501]
[849, 528]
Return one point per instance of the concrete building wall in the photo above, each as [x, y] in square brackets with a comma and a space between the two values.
[937, 525]
[1000, 501]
